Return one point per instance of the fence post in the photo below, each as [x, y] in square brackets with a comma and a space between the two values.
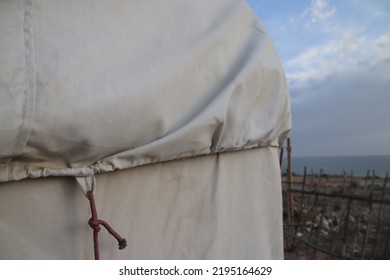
[290, 201]
[281, 157]
[378, 221]
[367, 232]
[302, 199]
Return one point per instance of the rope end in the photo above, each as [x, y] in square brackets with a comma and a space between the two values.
[122, 244]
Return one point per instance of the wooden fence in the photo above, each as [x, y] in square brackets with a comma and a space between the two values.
[335, 217]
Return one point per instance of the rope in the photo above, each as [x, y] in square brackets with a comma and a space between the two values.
[95, 224]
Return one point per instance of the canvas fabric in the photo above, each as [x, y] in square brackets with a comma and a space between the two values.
[170, 111]
[94, 86]
[209, 207]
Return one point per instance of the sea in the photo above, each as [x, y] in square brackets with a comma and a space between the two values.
[337, 165]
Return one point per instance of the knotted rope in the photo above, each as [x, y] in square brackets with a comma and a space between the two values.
[95, 223]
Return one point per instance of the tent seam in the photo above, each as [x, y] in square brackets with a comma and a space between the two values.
[29, 104]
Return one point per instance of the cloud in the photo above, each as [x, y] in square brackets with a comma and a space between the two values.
[319, 10]
[340, 104]
[339, 87]
[336, 56]
[351, 52]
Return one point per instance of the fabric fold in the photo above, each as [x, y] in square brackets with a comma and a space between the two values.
[87, 184]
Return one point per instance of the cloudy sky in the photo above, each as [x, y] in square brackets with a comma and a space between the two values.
[336, 56]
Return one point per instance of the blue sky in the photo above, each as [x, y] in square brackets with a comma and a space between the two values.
[336, 55]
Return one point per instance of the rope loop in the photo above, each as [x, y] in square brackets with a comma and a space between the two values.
[95, 224]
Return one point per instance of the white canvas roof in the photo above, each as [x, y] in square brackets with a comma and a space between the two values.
[92, 86]
[87, 87]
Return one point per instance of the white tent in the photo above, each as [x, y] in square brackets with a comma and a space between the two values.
[171, 112]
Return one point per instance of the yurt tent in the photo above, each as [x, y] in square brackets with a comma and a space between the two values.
[167, 115]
